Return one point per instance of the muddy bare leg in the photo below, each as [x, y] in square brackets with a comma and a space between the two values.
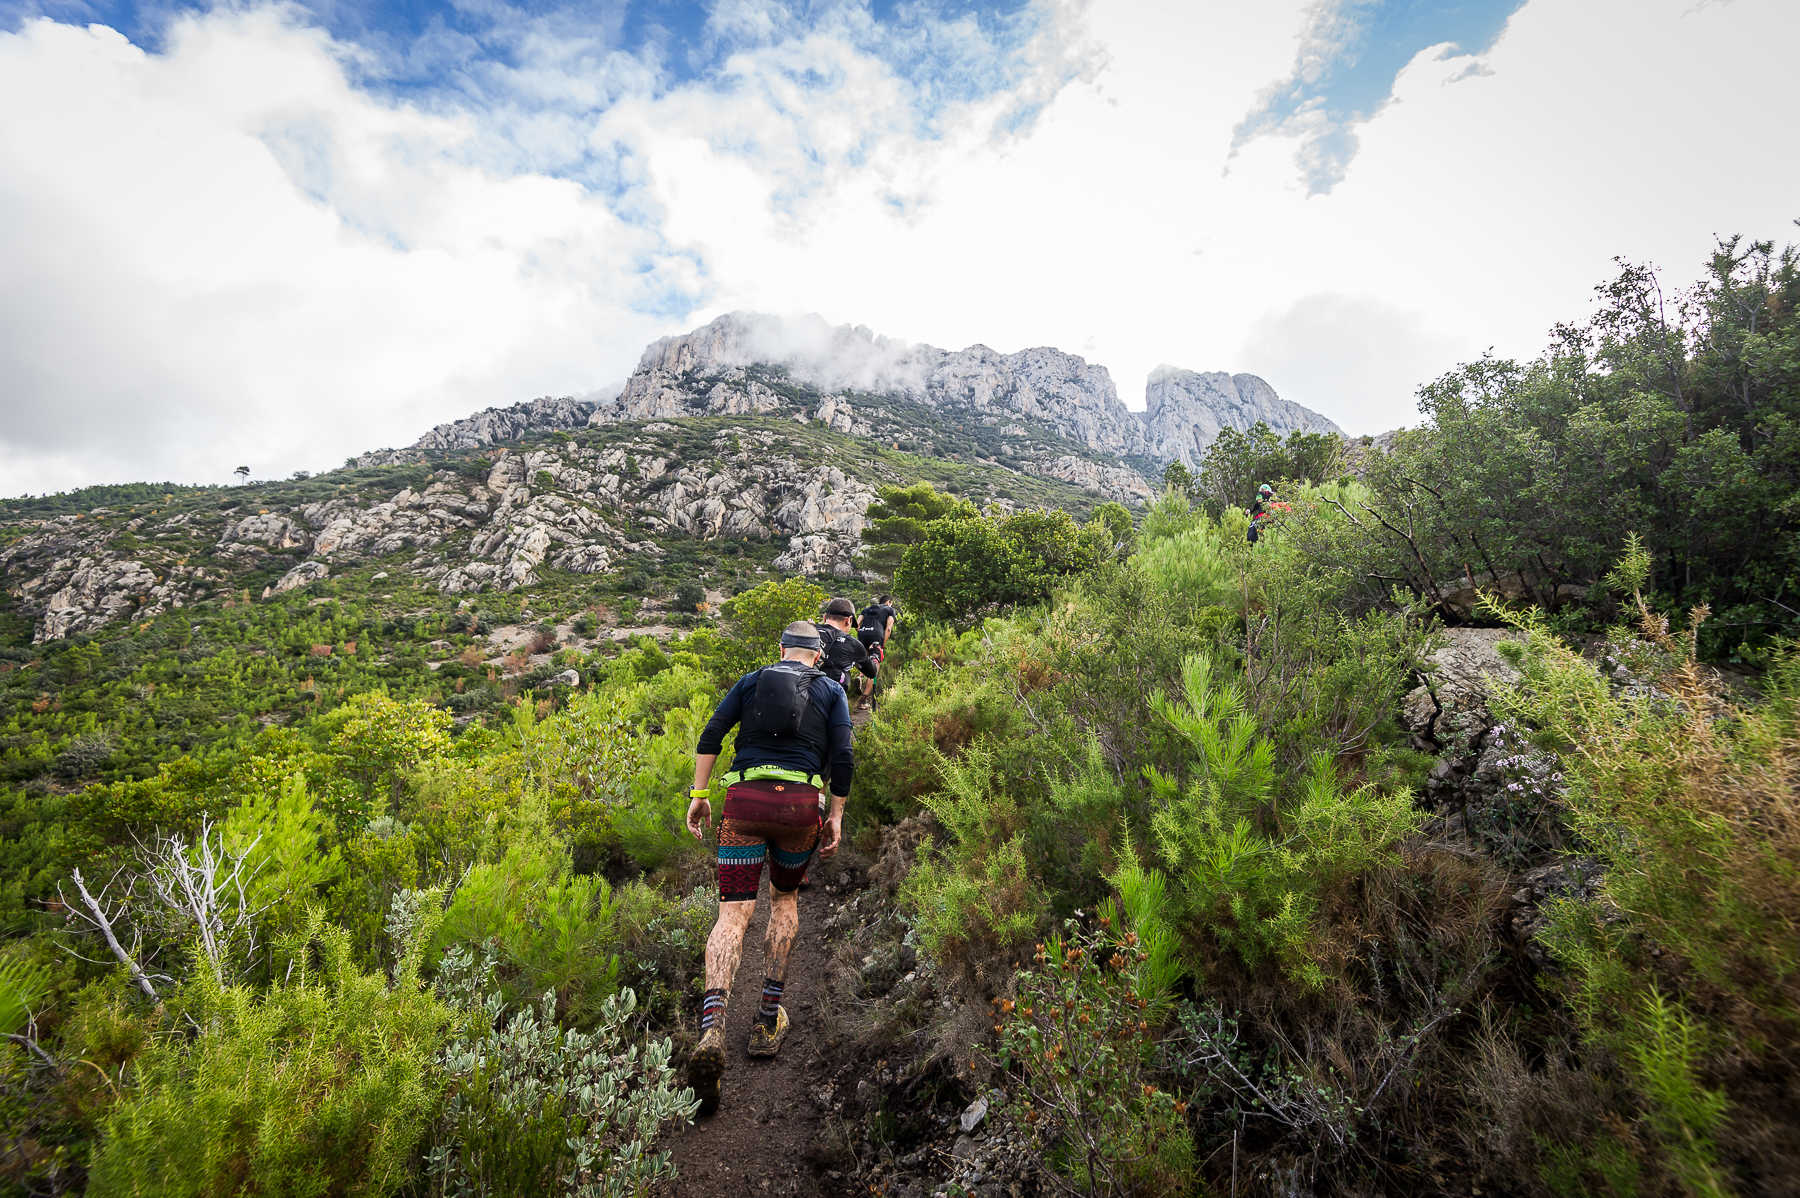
[784, 924]
[726, 944]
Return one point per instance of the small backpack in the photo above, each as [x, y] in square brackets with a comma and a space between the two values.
[781, 700]
[836, 658]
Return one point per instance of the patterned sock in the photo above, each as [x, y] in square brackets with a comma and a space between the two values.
[771, 1002]
[712, 1009]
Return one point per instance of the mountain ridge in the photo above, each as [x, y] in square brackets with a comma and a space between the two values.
[716, 369]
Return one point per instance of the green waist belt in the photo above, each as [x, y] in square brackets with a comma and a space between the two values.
[773, 773]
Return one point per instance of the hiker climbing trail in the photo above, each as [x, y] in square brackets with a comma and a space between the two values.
[757, 1141]
[766, 1120]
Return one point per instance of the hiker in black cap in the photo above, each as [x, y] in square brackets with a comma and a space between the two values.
[844, 652]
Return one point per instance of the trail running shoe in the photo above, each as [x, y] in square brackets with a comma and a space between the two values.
[766, 1041]
[706, 1067]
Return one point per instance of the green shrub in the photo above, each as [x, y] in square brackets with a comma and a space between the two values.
[1077, 1035]
[1251, 857]
[1685, 965]
[969, 566]
[536, 1109]
[940, 691]
[899, 517]
[323, 1084]
[649, 825]
[23, 986]
[975, 900]
[579, 763]
[553, 930]
[290, 866]
[378, 740]
[756, 617]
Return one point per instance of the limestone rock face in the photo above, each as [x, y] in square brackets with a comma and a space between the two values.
[301, 575]
[1453, 707]
[1114, 482]
[1070, 394]
[263, 532]
[1184, 410]
[712, 371]
[411, 519]
[491, 426]
[97, 592]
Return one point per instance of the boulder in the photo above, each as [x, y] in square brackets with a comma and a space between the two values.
[1450, 706]
[304, 574]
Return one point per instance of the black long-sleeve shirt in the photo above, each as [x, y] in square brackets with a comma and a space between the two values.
[752, 750]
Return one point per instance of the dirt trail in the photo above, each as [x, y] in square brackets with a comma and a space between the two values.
[756, 1142]
[758, 1139]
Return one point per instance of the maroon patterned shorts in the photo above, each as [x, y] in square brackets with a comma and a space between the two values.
[764, 819]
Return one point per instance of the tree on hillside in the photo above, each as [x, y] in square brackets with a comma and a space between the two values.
[754, 620]
[899, 517]
[1115, 519]
[1672, 416]
[243, 474]
[969, 566]
[1236, 463]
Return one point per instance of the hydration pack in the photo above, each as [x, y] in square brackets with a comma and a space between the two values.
[782, 699]
[837, 657]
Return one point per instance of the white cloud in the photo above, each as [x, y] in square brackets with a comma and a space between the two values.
[1329, 347]
[229, 252]
[225, 254]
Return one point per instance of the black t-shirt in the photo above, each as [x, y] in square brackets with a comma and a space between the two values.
[875, 619]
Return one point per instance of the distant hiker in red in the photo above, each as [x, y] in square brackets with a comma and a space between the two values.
[793, 737]
[1261, 512]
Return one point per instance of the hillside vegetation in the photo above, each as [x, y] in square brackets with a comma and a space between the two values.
[1440, 841]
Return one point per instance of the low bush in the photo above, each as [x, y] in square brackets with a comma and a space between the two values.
[536, 1109]
[1684, 968]
[1251, 854]
[551, 930]
[325, 1083]
[1078, 1034]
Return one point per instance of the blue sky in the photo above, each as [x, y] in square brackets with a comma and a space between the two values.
[284, 233]
[1348, 60]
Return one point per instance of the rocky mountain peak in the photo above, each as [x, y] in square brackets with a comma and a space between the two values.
[492, 426]
[1185, 409]
[712, 371]
[708, 371]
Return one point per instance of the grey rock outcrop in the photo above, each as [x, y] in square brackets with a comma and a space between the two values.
[490, 426]
[301, 575]
[1450, 708]
[1184, 411]
[1114, 482]
[493, 426]
[705, 372]
[97, 592]
[263, 532]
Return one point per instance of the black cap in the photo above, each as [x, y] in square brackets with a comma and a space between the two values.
[840, 607]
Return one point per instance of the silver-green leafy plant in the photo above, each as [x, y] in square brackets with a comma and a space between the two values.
[536, 1108]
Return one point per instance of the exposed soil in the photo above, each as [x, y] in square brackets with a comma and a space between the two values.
[763, 1137]
[759, 1139]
